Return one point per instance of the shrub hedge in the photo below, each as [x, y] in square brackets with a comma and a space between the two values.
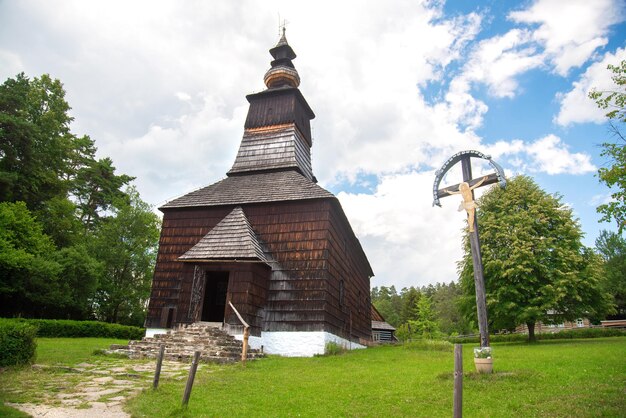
[561, 335]
[60, 328]
[17, 343]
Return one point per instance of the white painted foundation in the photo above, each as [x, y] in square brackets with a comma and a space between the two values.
[286, 343]
[297, 344]
[151, 332]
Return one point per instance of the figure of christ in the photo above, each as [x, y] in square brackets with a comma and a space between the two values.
[468, 202]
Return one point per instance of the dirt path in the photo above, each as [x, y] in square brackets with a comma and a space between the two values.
[95, 390]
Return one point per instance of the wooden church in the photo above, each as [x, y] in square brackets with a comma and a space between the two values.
[266, 238]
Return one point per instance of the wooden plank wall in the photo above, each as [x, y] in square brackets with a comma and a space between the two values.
[272, 108]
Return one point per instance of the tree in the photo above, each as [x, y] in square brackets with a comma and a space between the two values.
[615, 174]
[446, 306]
[81, 273]
[45, 165]
[410, 299]
[29, 282]
[35, 140]
[612, 248]
[425, 324]
[126, 244]
[96, 188]
[535, 266]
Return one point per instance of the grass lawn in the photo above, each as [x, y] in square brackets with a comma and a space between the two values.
[556, 378]
[70, 351]
[552, 378]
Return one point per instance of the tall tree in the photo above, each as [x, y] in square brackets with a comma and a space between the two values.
[612, 248]
[35, 140]
[614, 175]
[126, 245]
[45, 165]
[535, 266]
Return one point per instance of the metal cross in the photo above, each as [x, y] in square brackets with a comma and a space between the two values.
[466, 189]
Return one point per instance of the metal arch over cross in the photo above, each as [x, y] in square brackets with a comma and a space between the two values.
[466, 190]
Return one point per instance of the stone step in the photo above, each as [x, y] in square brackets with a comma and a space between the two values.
[215, 345]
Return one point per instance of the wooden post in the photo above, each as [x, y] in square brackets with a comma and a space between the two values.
[477, 261]
[246, 333]
[192, 376]
[157, 372]
[244, 349]
[458, 381]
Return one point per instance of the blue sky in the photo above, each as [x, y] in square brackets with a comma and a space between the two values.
[397, 87]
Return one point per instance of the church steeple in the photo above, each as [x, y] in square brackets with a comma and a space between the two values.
[282, 73]
[277, 133]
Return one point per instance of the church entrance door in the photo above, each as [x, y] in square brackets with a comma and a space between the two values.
[215, 291]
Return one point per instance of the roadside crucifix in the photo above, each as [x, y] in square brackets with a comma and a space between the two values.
[466, 190]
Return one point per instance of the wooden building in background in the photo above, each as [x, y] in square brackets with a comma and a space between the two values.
[266, 238]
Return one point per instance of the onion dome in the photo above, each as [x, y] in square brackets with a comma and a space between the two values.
[282, 73]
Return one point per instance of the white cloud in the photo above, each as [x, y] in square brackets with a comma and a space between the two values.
[552, 156]
[576, 106]
[497, 60]
[565, 34]
[408, 241]
[570, 31]
[600, 199]
[548, 154]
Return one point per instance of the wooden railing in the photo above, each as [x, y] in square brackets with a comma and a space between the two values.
[246, 333]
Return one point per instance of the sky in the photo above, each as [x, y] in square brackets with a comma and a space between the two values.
[397, 88]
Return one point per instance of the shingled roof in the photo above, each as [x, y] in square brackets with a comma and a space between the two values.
[253, 188]
[273, 148]
[231, 239]
[382, 325]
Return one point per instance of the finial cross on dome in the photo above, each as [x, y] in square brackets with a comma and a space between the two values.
[282, 27]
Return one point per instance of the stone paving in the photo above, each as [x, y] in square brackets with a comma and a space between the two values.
[98, 389]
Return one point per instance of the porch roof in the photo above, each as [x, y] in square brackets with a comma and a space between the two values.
[232, 239]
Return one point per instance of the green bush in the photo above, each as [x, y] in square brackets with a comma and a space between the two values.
[17, 343]
[59, 328]
[583, 333]
[562, 335]
[332, 349]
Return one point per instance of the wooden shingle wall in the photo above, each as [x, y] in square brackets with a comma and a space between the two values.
[312, 249]
[172, 281]
[295, 234]
[350, 312]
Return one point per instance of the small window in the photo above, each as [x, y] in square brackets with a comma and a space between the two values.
[580, 323]
[341, 293]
